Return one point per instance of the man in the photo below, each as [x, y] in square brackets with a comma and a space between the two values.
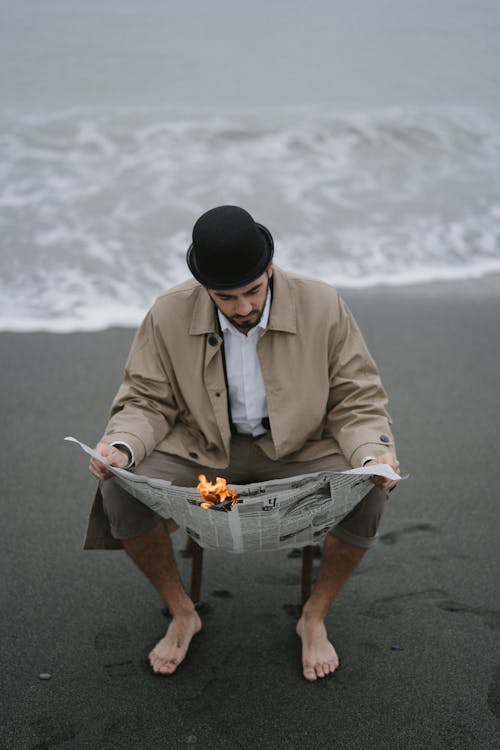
[254, 374]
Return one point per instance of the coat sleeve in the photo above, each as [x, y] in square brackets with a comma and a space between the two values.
[144, 410]
[357, 417]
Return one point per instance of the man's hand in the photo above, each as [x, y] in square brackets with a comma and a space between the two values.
[381, 482]
[113, 455]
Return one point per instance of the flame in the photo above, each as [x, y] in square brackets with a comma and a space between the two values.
[216, 493]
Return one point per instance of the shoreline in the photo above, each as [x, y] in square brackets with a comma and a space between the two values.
[484, 287]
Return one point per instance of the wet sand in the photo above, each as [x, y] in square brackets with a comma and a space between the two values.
[417, 628]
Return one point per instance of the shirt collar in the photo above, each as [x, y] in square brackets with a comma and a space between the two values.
[226, 325]
[282, 317]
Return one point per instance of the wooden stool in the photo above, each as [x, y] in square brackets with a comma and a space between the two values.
[196, 553]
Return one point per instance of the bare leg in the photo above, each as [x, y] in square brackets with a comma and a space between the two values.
[319, 658]
[152, 552]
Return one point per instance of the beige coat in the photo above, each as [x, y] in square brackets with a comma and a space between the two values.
[323, 390]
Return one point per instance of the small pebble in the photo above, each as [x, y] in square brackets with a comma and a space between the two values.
[191, 739]
[395, 647]
[44, 676]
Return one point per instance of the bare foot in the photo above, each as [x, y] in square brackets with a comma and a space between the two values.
[171, 650]
[319, 658]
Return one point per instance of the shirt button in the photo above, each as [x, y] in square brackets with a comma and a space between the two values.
[384, 439]
[212, 341]
[193, 454]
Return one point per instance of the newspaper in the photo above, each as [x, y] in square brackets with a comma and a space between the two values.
[293, 512]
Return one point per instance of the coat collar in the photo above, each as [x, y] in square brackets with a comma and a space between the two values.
[283, 310]
[283, 315]
[204, 317]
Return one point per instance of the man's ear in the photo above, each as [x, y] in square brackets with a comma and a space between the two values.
[269, 270]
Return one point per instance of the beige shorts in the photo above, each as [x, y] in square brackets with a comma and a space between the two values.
[128, 518]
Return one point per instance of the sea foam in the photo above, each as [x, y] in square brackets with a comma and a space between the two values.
[96, 207]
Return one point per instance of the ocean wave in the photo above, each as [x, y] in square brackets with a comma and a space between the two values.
[96, 207]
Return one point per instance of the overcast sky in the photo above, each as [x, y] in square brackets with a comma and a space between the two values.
[225, 53]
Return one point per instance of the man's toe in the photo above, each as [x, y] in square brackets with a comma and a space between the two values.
[309, 672]
[319, 670]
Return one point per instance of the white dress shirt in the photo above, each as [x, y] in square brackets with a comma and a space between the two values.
[247, 395]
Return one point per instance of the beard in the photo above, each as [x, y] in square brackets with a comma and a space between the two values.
[240, 322]
[254, 316]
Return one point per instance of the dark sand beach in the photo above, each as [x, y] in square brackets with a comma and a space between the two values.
[417, 628]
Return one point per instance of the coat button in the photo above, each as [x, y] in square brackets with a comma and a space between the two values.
[193, 454]
[384, 439]
[212, 341]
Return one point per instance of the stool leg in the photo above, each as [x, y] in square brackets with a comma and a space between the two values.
[196, 570]
[307, 565]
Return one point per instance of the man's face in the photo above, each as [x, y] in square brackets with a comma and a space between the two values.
[243, 306]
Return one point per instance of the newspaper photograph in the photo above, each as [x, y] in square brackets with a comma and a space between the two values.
[292, 512]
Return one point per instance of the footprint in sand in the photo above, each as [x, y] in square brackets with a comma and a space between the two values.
[122, 729]
[111, 638]
[490, 617]
[222, 594]
[391, 606]
[117, 670]
[113, 642]
[393, 537]
[51, 732]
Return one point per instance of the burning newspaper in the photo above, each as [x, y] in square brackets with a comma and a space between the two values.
[216, 496]
[293, 512]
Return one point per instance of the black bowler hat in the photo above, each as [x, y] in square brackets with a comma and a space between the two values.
[229, 248]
